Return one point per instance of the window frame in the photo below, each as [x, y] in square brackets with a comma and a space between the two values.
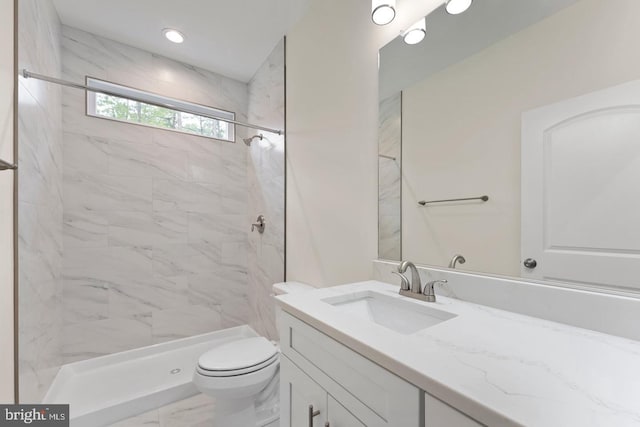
[150, 98]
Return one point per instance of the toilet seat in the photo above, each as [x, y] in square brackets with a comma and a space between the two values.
[236, 372]
[238, 358]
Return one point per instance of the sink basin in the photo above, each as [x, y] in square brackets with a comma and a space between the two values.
[397, 314]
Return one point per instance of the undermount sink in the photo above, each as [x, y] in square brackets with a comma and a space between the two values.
[397, 314]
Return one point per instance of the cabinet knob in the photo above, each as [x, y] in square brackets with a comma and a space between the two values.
[312, 413]
[530, 263]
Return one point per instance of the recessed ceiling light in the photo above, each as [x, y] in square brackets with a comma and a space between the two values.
[455, 7]
[383, 11]
[172, 35]
[416, 33]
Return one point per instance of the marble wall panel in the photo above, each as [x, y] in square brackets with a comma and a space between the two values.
[265, 174]
[132, 235]
[389, 178]
[155, 221]
[40, 207]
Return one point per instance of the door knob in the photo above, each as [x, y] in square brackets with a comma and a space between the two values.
[530, 263]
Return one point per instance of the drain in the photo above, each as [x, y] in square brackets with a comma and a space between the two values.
[175, 371]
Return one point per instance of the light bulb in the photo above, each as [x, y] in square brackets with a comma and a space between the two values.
[172, 35]
[383, 11]
[455, 7]
[416, 33]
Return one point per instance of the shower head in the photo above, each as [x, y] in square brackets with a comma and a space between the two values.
[247, 141]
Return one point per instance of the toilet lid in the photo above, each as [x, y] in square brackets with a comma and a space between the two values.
[275, 360]
[237, 355]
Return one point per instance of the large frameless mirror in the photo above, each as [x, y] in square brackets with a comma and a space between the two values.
[509, 142]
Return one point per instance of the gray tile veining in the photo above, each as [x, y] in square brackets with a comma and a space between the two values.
[265, 170]
[131, 228]
[184, 321]
[155, 221]
[170, 194]
[389, 178]
[132, 235]
[135, 296]
[84, 299]
[86, 340]
[40, 212]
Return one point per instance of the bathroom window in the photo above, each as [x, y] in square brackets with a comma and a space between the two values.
[135, 106]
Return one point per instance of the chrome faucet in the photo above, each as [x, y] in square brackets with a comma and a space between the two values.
[414, 288]
[456, 259]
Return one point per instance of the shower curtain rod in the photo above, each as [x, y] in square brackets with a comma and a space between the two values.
[29, 75]
[7, 166]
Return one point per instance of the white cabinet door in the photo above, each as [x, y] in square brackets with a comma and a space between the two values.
[297, 392]
[439, 414]
[581, 189]
[374, 395]
[339, 416]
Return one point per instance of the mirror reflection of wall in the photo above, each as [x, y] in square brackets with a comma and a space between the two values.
[465, 90]
[389, 187]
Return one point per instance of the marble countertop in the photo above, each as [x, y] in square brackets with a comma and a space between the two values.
[498, 367]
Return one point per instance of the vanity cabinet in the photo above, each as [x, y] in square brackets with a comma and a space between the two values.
[439, 414]
[347, 389]
[304, 395]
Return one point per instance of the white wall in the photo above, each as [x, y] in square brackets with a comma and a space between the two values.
[461, 128]
[332, 116]
[6, 202]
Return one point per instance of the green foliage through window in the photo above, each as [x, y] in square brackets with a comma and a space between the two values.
[124, 109]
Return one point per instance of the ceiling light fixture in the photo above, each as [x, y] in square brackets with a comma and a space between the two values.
[383, 11]
[416, 33]
[172, 35]
[455, 7]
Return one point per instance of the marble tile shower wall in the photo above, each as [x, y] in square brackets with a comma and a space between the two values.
[40, 201]
[266, 190]
[389, 178]
[155, 222]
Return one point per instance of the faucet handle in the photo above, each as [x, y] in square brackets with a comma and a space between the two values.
[404, 285]
[428, 287]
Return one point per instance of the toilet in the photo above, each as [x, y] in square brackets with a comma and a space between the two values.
[244, 377]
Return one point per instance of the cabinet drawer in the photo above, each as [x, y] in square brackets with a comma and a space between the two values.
[352, 379]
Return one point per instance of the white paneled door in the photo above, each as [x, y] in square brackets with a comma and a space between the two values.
[581, 189]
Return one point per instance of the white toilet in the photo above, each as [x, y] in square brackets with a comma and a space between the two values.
[243, 378]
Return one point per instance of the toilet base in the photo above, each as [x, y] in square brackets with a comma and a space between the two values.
[242, 413]
[260, 411]
[268, 404]
[235, 413]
